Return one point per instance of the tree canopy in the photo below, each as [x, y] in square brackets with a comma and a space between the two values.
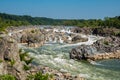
[7, 20]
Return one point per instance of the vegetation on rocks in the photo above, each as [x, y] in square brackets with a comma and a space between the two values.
[26, 58]
[106, 42]
[12, 62]
[40, 76]
[7, 77]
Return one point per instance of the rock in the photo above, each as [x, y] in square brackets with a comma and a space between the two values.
[105, 31]
[78, 77]
[67, 75]
[84, 30]
[82, 52]
[9, 54]
[108, 44]
[102, 49]
[33, 38]
[78, 38]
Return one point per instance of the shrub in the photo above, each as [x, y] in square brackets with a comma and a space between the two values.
[26, 67]
[23, 55]
[7, 77]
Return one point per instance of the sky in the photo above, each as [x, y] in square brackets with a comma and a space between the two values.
[62, 9]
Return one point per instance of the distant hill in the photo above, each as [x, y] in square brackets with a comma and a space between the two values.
[7, 20]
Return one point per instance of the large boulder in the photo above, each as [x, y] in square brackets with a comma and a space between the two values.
[34, 38]
[78, 38]
[10, 60]
[82, 52]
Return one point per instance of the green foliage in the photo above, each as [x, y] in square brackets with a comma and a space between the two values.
[1, 61]
[23, 55]
[26, 67]
[7, 77]
[7, 20]
[39, 76]
[20, 51]
[28, 61]
[106, 42]
[12, 62]
[32, 31]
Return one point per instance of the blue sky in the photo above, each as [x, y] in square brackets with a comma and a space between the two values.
[62, 9]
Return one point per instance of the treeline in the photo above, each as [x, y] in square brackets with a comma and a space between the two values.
[106, 23]
[7, 20]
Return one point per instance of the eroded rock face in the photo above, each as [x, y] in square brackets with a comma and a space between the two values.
[107, 48]
[82, 52]
[108, 44]
[98, 31]
[33, 38]
[9, 52]
[8, 48]
[105, 31]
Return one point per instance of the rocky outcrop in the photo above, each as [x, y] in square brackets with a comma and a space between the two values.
[78, 38]
[84, 30]
[33, 38]
[107, 55]
[10, 60]
[82, 52]
[106, 32]
[107, 48]
[61, 75]
[108, 44]
[97, 31]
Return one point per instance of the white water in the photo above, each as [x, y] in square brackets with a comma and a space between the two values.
[91, 40]
[57, 56]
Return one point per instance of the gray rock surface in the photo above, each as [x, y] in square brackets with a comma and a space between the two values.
[78, 38]
[109, 45]
[9, 52]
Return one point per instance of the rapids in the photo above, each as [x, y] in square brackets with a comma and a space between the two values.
[55, 55]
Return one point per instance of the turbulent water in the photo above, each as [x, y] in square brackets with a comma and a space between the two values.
[56, 56]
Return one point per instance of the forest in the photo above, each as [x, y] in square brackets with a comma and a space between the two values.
[7, 20]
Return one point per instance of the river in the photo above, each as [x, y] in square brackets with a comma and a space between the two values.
[56, 55]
